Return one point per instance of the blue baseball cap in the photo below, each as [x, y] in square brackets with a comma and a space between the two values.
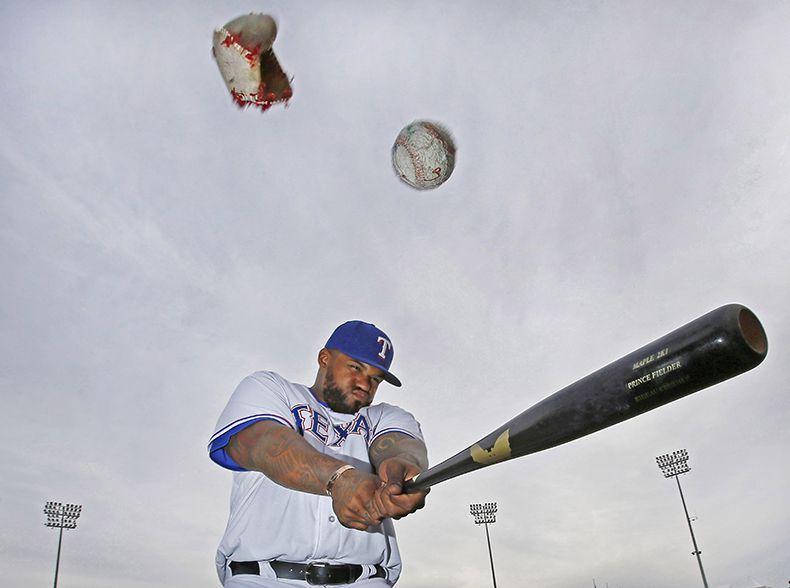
[366, 343]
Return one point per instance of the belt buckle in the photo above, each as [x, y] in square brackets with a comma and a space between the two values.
[317, 573]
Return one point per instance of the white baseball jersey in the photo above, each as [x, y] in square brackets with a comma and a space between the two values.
[268, 521]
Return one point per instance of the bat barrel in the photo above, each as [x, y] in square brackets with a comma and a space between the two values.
[752, 332]
[715, 347]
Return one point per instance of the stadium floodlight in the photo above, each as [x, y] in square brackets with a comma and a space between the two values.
[61, 516]
[485, 514]
[672, 465]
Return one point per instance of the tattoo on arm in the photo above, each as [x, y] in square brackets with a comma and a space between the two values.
[283, 456]
[398, 445]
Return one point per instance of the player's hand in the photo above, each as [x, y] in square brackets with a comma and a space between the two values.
[391, 501]
[354, 500]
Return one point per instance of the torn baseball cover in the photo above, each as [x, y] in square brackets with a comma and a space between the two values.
[245, 57]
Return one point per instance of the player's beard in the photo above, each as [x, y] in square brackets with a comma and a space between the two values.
[336, 399]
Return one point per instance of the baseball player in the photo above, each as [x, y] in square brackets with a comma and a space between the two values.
[318, 471]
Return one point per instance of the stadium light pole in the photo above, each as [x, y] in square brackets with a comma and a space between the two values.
[485, 514]
[672, 465]
[61, 516]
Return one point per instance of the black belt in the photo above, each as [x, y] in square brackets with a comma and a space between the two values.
[317, 572]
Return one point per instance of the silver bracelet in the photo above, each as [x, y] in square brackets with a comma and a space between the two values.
[333, 478]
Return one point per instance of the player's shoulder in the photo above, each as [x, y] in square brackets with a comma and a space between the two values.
[388, 418]
[267, 376]
[271, 381]
[383, 409]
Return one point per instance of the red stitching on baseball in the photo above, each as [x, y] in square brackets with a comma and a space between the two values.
[230, 39]
[441, 136]
[252, 54]
[419, 171]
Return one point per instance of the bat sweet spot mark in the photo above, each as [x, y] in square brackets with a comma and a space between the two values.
[499, 452]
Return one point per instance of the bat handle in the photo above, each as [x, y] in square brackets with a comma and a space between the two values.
[413, 485]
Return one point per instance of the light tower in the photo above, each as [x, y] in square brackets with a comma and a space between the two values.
[672, 465]
[61, 516]
[485, 514]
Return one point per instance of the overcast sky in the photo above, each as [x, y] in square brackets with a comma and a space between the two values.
[622, 169]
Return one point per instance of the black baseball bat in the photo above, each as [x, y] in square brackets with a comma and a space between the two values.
[715, 347]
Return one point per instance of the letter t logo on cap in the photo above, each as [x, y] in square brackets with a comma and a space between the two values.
[385, 347]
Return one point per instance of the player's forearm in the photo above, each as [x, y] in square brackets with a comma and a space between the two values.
[283, 456]
[398, 457]
[400, 446]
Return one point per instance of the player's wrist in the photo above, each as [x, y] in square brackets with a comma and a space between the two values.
[399, 468]
[330, 484]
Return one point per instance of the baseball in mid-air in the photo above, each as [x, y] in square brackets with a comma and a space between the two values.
[423, 154]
